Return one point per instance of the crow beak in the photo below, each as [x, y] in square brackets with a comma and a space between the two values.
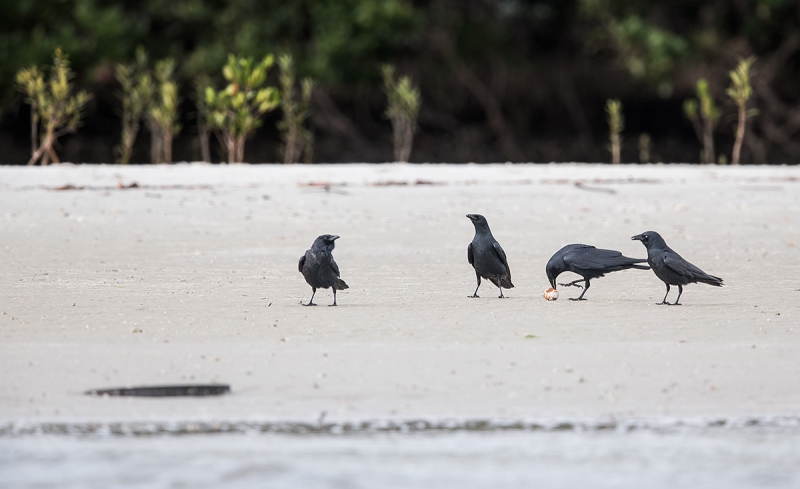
[334, 237]
[551, 278]
[471, 217]
[638, 237]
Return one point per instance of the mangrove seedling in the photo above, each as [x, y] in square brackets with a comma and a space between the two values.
[137, 90]
[163, 113]
[645, 144]
[53, 106]
[236, 110]
[740, 92]
[616, 123]
[704, 116]
[404, 102]
[202, 118]
[297, 139]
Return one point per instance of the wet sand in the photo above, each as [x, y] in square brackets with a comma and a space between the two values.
[192, 276]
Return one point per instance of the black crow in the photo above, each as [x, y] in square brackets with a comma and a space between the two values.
[487, 256]
[670, 267]
[319, 268]
[588, 262]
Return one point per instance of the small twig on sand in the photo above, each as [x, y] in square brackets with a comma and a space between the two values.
[582, 186]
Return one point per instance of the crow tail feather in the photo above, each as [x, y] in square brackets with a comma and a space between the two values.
[710, 280]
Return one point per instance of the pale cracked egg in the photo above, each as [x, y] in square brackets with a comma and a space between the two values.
[550, 294]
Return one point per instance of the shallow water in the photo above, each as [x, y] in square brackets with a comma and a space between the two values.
[708, 457]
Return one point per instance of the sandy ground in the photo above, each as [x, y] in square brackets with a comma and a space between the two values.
[192, 277]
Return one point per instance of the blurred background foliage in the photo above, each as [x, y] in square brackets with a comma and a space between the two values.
[500, 79]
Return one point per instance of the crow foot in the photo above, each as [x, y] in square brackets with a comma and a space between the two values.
[576, 298]
[310, 304]
[573, 284]
[663, 303]
[474, 296]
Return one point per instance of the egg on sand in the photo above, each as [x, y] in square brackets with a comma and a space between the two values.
[550, 294]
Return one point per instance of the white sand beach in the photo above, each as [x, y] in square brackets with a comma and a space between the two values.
[192, 277]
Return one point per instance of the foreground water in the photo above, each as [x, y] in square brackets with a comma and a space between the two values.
[710, 455]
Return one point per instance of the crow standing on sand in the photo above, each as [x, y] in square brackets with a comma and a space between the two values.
[487, 256]
[319, 268]
[588, 262]
[670, 267]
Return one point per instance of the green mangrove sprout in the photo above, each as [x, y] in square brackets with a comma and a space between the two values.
[404, 102]
[740, 92]
[616, 123]
[235, 111]
[297, 139]
[54, 109]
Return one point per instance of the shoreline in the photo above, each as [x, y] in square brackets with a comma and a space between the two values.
[321, 427]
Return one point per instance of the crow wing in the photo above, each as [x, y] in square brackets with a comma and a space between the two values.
[301, 263]
[470, 258]
[591, 258]
[502, 255]
[680, 266]
[335, 267]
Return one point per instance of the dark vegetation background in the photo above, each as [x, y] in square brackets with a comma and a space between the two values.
[501, 80]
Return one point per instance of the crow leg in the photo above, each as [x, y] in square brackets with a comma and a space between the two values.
[475, 294]
[574, 283]
[311, 302]
[580, 297]
[664, 300]
[334, 295]
[501, 293]
[680, 291]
